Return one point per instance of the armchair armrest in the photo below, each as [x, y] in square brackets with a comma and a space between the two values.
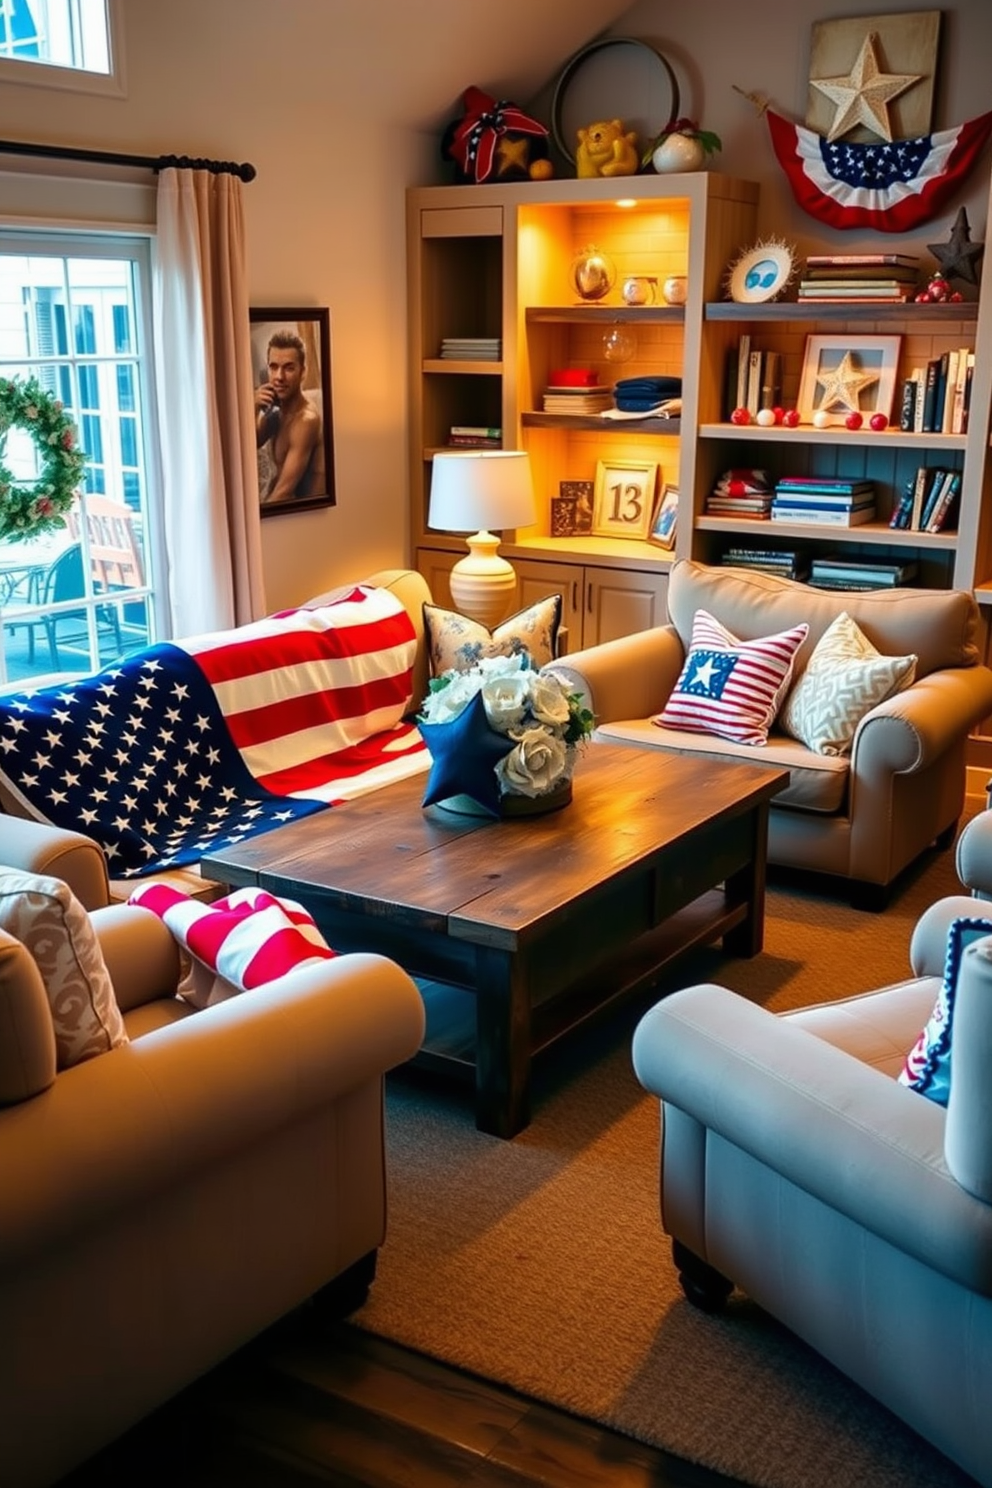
[37, 847]
[837, 1128]
[127, 1124]
[630, 677]
[912, 729]
[973, 855]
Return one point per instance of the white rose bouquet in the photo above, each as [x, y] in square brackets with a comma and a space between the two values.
[534, 709]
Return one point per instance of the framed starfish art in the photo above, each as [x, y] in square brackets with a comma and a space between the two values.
[841, 376]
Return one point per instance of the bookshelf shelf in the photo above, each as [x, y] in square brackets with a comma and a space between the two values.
[966, 312]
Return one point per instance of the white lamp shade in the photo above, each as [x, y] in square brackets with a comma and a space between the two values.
[476, 490]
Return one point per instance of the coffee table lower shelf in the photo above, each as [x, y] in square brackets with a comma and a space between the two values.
[449, 1047]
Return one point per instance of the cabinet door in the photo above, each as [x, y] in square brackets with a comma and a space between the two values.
[619, 602]
[436, 564]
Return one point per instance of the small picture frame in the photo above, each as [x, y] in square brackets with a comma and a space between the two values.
[291, 358]
[571, 509]
[665, 518]
[843, 375]
[623, 498]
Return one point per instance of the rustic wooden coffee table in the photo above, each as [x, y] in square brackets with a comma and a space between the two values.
[538, 921]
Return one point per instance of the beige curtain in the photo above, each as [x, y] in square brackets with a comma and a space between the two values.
[205, 402]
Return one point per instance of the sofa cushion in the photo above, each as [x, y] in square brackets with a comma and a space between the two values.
[236, 943]
[731, 687]
[928, 1064]
[845, 677]
[455, 643]
[941, 627]
[47, 918]
[817, 782]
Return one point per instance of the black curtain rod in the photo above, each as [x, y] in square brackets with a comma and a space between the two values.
[146, 162]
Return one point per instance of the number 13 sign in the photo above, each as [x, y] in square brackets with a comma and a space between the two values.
[623, 499]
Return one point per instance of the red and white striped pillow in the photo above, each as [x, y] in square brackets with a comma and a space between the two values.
[236, 943]
[730, 687]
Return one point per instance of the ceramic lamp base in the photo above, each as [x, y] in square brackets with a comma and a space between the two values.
[483, 584]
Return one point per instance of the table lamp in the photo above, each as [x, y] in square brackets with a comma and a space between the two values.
[473, 491]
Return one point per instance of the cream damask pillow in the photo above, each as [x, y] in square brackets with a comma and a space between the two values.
[844, 679]
[456, 643]
[49, 921]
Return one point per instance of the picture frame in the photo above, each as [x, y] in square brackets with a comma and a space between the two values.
[571, 509]
[623, 498]
[848, 374]
[294, 431]
[665, 519]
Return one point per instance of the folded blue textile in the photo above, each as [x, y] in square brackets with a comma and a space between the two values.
[637, 394]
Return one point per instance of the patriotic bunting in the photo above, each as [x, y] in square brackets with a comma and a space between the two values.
[887, 186]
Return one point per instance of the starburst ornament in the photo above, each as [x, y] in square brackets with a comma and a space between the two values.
[863, 96]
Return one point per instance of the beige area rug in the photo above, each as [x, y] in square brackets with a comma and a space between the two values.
[540, 1263]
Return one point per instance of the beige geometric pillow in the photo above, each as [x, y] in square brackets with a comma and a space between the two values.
[47, 918]
[844, 679]
[456, 643]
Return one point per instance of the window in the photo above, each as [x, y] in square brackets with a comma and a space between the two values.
[62, 43]
[73, 315]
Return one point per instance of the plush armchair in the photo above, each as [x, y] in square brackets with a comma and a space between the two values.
[864, 815]
[163, 1202]
[855, 1210]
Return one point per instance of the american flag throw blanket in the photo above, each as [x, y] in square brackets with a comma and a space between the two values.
[184, 748]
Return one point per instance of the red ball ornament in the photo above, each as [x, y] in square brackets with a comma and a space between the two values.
[779, 413]
[938, 289]
[790, 418]
[922, 298]
[878, 422]
[854, 420]
[740, 416]
[956, 297]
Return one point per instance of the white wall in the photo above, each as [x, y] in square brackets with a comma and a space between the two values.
[340, 104]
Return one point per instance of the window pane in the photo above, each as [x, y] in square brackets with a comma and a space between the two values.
[62, 33]
[74, 599]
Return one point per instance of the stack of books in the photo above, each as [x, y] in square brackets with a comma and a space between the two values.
[929, 501]
[936, 397]
[471, 348]
[573, 400]
[836, 502]
[890, 277]
[854, 573]
[784, 563]
[741, 493]
[476, 436]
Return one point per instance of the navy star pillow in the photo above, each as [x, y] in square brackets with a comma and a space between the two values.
[465, 753]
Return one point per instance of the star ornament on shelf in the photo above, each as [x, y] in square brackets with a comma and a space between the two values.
[842, 385]
[465, 753]
[863, 96]
[959, 256]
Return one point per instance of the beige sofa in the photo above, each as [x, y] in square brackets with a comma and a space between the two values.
[863, 816]
[163, 1202]
[856, 1211]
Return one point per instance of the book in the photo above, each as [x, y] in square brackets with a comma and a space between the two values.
[930, 395]
[877, 289]
[907, 403]
[826, 517]
[920, 485]
[920, 373]
[948, 494]
[752, 401]
[881, 573]
[902, 509]
[935, 477]
[479, 431]
[743, 362]
[862, 260]
[957, 401]
[969, 374]
[824, 483]
[771, 380]
[826, 499]
[839, 273]
[949, 375]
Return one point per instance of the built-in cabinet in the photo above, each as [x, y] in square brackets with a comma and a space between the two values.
[495, 261]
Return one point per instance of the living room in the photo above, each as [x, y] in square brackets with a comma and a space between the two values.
[341, 110]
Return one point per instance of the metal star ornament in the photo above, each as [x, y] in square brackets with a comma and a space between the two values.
[842, 385]
[959, 257]
[862, 97]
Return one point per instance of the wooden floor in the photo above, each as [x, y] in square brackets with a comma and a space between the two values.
[316, 1402]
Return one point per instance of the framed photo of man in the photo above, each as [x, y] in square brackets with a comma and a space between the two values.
[294, 436]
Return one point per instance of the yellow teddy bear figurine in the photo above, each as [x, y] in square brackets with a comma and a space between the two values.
[605, 150]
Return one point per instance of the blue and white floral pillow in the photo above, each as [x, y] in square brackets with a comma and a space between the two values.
[928, 1064]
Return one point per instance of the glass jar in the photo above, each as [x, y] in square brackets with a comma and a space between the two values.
[639, 289]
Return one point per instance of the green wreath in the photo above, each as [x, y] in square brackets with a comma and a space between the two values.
[26, 510]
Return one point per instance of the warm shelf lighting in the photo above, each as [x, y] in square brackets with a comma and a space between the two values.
[473, 491]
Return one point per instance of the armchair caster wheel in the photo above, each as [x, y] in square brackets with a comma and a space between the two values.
[702, 1284]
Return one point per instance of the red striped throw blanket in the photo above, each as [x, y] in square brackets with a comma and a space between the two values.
[236, 943]
[186, 747]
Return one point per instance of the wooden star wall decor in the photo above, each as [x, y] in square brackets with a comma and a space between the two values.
[872, 77]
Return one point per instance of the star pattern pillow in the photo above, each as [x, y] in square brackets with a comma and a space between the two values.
[928, 1064]
[844, 679]
[729, 687]
[455, 643]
